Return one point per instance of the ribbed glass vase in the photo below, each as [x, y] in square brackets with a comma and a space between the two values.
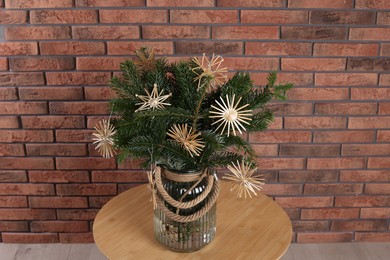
[184, 236]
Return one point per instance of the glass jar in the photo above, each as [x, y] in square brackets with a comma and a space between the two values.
[184, 236]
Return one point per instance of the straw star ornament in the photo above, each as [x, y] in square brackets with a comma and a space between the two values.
[210, 68]
[242, 179]
[153, 100]
[104, 138]
[187, 138]
[229, 115]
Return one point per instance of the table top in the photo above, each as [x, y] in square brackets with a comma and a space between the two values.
[256, 228]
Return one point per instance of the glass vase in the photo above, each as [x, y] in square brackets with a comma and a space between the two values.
[184, 236]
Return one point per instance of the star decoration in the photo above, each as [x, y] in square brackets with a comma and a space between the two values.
[104, 138]
[242, 179]
[146, 60]
[210, 69]
[231, 116]
[153, 100]
[188, 139]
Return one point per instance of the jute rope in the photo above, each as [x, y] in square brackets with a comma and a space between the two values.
[209, 195]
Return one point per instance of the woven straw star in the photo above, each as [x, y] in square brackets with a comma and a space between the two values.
[210, 69]
[188, 139]
[153, 100]
[231, 116]
[104, 138]
[146, 60]
[242, 179]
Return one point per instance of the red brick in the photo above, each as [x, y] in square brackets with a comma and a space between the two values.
[23, 108]
[8, 93]
[3, 64]
[127, 47]
[374, 34]
[76, 237]
[365, 176]
[274, 16]
[314, 122]
[14, 226]
[18, 48]
[13, 17]
[385, 49]
[37, 33]
[280, 137]
[280, 163]
[313, 33]
[63, 16]
[372, 237]
[26, 189]
[320, 3]
[58, 202]
[377, 188]
[321, 237]
[368, 64]
[318, 94]
[84, 108]
[375, 213]
[84, 163]
[74, 136]
[265, 149]
[13, 176]
[308, 176]
[52, 93]
[18, 163]
[34, 64]
[209, 47]
[53, 121]
[56, 149]
[182, 3]
[298, 79]
[317, 64]
[174, 32]
[309, 150]
[38, 3]
[343, 136]
[375, 4]
[20, 78]
[245, 32]
[99, 93]
[250, 3]
[58, 176]
[251, 63]
[133, 16]
[30, 238]
[203, 16]
[277, 48]
[384, 109]
[12, 150]
[119, 176]
[106, 32]
[282, 189]
[78, 78]
[98, 202]
[337, 17]
[305, 202]
[27, 214]
[330, 213]
[345, 49]
[9, 122]
[92, 121]
[362, 201]
[126, 187]
[59, 226]
[346, 79]
[26, 136]
[286, 108]
[333, 189]
[383, 136]
[368, 122]
[335, 163]
[100, 63]
[77, 214]
[370, 93]
[86, 189]
[345, 108]
[384, 80]
[104, 3]
[365, 149]
[308, 225]
[72, 48]
[13, 201]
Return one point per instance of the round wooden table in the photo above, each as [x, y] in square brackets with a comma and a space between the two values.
[256, 228]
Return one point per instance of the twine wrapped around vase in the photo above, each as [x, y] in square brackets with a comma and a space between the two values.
[161, 196]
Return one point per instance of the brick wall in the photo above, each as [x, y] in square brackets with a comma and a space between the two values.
[326, 157]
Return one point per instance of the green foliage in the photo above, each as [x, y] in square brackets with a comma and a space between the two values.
[143, 134]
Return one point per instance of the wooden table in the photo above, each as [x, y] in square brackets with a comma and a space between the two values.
[256, 228]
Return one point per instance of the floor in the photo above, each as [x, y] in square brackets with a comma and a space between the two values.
[344, 251]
